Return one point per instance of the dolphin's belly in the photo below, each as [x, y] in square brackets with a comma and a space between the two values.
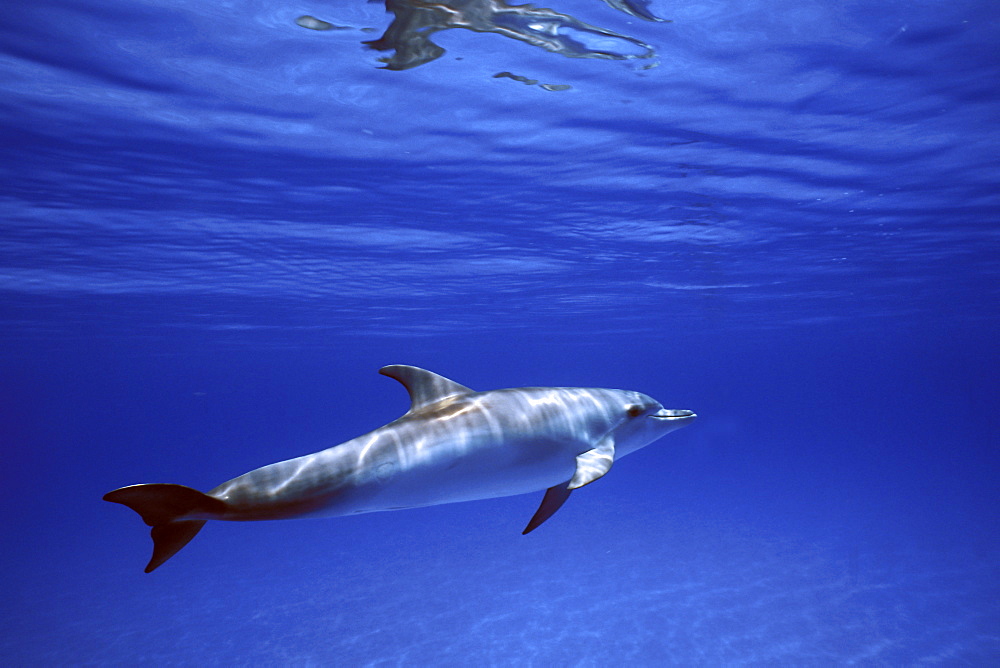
[450, 471]
[461, 451]
[505, 469]
[348, 479]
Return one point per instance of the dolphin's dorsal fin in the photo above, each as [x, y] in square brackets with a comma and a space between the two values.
[425, 387]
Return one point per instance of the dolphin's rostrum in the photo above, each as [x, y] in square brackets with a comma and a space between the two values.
[453, 444]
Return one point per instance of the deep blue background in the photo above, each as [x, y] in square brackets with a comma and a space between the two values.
[217, 226]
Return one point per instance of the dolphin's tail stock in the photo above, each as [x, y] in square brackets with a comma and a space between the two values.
[162, 507]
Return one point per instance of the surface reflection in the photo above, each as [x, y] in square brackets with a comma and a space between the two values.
[409, 34]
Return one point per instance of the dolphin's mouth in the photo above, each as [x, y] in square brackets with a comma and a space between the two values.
[669, 414]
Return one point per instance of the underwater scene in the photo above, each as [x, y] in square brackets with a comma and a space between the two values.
[686, 316]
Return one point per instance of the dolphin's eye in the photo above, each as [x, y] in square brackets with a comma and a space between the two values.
[634, 411]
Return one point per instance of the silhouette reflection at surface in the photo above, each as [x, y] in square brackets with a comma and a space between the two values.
[409, 34]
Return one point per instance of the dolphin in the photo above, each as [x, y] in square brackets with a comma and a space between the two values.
[454, 444]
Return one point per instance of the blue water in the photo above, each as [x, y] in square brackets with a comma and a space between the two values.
[217, 223]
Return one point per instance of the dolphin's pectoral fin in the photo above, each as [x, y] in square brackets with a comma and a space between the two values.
[592, 464]
[553, 500]
[425, 387]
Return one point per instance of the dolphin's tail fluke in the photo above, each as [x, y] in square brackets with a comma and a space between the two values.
[165, 508]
